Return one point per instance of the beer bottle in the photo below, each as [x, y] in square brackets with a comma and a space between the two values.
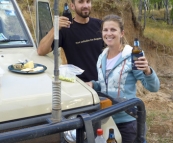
[136, 53]
[111, 138]
[67, 12]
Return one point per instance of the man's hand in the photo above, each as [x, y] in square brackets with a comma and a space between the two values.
[64, 22]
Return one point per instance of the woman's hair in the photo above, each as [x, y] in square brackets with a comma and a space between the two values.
[119, 20]
[115, 18]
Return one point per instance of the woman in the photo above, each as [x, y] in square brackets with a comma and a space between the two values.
[115, 74]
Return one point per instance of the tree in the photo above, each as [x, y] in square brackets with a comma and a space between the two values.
[140, 10]
[166, 4]
[171, 16]
[145, 8]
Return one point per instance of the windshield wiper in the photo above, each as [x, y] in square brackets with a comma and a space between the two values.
[11, 40]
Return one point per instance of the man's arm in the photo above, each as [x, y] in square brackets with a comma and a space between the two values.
[45, 44]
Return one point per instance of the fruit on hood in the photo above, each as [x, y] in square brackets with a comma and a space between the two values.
[29, 64]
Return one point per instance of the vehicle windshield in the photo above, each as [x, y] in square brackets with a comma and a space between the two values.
[13, 33]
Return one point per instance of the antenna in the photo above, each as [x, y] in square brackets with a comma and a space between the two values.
[56, 84]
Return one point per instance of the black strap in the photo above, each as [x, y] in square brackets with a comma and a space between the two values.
[88, 128]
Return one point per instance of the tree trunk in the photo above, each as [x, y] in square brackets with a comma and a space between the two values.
[159, 5]
[145, 8]
[140, 10]
[171, 16]
[166, 3]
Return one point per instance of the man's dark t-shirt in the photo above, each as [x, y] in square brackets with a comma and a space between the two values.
[82, 44]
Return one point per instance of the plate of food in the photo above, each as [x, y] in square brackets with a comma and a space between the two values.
[27, 68]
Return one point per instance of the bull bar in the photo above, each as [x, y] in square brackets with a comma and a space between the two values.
[79, 124]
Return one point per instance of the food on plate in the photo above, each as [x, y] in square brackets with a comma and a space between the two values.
[29, 64]
[33, 69]
[27, 67]
[26, 70]
[18, 66]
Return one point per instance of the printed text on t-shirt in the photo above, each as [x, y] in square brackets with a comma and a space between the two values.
[84, 41]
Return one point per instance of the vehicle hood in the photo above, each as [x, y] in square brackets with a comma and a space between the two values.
[26, 95]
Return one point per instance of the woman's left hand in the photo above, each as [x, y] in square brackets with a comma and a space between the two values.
[142, 64]
[89, 84]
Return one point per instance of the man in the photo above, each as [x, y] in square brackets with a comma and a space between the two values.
[82, 42]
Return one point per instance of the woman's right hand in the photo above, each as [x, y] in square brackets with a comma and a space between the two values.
[89, 84]
[64, 22]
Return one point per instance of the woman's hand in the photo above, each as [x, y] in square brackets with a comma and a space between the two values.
[142, 64]
[89, 84]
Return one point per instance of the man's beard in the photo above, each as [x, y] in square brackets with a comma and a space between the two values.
[83, 15]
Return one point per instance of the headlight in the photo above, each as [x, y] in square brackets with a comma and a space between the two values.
[70, 136]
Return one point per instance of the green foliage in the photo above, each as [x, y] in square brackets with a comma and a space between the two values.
[155, 1]
[159, 32]
[171, 13]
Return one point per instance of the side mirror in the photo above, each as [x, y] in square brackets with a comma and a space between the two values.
[43, 19]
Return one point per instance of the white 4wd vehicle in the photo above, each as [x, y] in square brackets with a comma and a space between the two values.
[26, 98]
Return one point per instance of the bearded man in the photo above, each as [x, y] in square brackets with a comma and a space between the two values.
[80, 39]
